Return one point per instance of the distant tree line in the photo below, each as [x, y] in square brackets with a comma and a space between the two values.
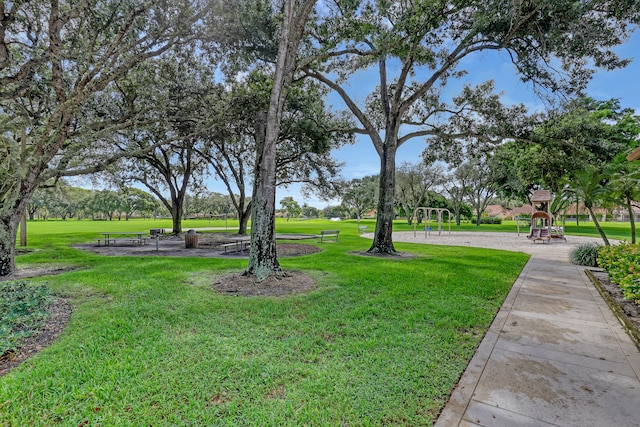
[68, 202]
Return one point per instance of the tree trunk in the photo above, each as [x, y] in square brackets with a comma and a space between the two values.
[243, 217]
[383, 238]
[632, 221]
[409, 213]
[263, 260]
[8, 235]
[23, 230]
[597, 224]
[176, 218]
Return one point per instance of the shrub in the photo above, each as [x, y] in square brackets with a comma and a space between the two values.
[22, 312]
[585, 254]
[488, 220]
[622, 263]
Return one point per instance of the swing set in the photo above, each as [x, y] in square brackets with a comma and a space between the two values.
[427, 213]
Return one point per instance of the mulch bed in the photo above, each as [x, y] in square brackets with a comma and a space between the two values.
[290, 282]
[628, 312]
[60, 314]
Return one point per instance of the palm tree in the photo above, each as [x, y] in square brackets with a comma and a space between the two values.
[625, 187]
[588, 186]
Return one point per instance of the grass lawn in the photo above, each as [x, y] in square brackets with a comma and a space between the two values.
[379, 342]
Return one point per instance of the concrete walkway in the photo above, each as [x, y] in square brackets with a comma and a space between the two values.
[554, 355]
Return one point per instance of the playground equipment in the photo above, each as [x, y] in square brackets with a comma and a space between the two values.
[542, 222]
[427, 215]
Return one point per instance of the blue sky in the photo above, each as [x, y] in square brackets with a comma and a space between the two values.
[361, 158]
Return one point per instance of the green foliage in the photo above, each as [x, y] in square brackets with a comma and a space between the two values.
[487, 220]
[585, 254]
[23, 308]
[622, 263]
[583, 134]
[290, 207]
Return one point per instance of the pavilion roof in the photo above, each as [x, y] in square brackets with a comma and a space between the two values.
[541, 196]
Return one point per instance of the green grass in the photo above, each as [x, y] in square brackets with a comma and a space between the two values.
[380, 342]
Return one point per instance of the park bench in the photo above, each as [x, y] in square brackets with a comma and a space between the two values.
[328, 234]
[362, 229]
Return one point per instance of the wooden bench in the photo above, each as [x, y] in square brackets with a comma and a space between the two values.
[362, 229]
[328, 234]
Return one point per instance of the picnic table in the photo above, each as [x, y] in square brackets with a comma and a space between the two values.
[134, 237]
[240, 243]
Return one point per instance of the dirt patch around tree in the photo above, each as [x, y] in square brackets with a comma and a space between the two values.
[31, 272]
[60, 313]
[290, 282]
[397, 255]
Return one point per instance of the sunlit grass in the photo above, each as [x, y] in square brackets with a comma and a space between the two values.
[379, 342]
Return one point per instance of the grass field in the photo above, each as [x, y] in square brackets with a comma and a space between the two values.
[379, 342]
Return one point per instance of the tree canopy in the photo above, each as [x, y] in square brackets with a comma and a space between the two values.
[418, 47]
[56, 59]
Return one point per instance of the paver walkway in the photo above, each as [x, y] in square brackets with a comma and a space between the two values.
[554, 355]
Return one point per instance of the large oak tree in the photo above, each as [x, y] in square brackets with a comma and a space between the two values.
[418, 48]
[56, 58]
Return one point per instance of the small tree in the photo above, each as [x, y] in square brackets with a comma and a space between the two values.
[138, 201]
[481, 186]
[310, 211]
[360, 195]
[624, 186]
[413, 182]
[106, 202]
[290, 207]
[589, 186]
